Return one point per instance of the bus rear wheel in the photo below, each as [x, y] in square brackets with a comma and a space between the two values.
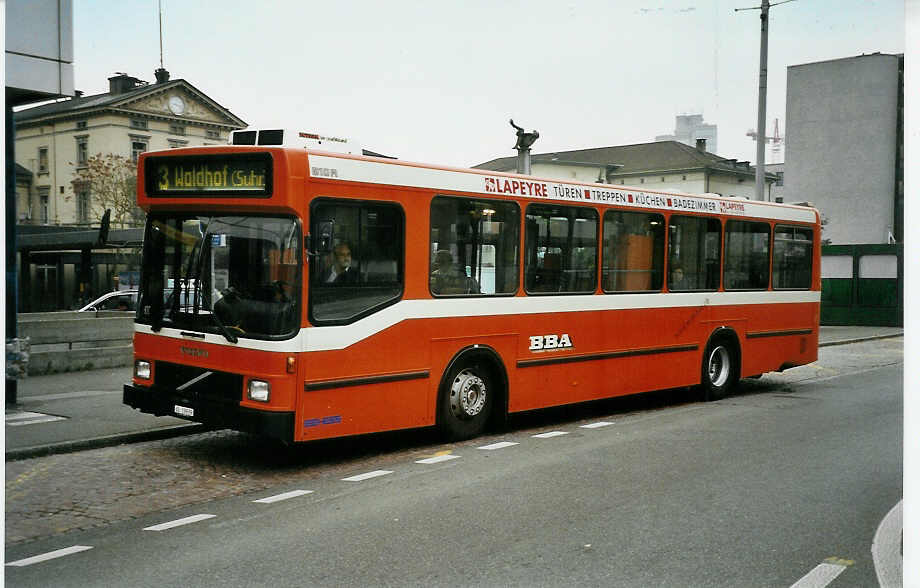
[720, 369]
[466, 400]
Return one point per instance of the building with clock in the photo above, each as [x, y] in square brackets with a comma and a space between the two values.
[53, 141]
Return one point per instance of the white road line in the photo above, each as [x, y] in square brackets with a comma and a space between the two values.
[180, 522]
[500, 445]
[14, 416]
[285, 496]
[44, 419]
[367, 476]
[886, 548]
[597, 425]
[437, 459]
[50, 555]
[550, 434]
[822, 575]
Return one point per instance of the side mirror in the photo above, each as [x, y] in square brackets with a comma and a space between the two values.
[322, 241]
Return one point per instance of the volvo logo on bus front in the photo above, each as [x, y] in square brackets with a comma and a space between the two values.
[193, 352]
[544, 342]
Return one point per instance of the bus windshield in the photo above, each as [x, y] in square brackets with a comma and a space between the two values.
[233, 275]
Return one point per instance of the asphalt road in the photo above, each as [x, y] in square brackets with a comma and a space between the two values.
[790, 479]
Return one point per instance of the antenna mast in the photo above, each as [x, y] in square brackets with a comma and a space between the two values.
[160, 4]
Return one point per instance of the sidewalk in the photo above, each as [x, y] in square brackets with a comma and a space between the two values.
[82, 410]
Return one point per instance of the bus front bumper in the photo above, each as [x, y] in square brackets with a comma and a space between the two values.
[219, 415]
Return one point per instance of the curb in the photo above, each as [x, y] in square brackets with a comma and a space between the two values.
[860, 339]
[106, 441]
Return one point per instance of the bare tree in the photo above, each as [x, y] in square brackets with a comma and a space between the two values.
[111, 181]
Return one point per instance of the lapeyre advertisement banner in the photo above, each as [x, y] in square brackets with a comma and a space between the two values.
[423, 176]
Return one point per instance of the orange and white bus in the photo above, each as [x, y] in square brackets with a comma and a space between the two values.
[305, 294]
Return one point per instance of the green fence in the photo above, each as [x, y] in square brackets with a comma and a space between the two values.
[862, 285]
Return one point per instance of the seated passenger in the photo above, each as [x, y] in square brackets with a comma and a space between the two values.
[447, 278]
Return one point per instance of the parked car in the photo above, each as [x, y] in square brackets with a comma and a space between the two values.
[118, 300]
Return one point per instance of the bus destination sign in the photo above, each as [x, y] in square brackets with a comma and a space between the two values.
[204, 176]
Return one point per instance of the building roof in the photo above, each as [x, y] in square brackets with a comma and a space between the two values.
[638, 159]
[80, 105]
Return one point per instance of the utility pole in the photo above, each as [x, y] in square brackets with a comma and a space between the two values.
[762, 94]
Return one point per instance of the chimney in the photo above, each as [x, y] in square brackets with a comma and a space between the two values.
[701, 145]
[162, 75]
[121, 83]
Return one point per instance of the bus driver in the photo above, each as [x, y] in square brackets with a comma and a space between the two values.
[341, 271]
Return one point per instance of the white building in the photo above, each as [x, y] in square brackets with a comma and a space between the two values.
[54, 140]
[665, 165]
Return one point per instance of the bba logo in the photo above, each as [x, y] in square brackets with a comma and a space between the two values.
[544, 342]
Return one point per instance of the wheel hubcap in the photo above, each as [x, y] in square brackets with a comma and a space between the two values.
[719, 366]
[467, 395]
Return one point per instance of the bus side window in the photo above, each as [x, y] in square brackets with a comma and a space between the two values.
[633, 251]
[473, 247]
[363, 271]
[792, 257]
[693, 249]
[747, 255]
[561, 249]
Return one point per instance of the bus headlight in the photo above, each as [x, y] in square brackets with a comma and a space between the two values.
[259, 390]
[142, 369]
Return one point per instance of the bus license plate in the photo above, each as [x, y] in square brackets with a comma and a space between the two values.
[184, 411]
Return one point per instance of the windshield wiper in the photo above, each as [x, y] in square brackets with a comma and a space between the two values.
[223, 329]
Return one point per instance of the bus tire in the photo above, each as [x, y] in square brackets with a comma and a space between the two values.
[720, 369]
[467, 396]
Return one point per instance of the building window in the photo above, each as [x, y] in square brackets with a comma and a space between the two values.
[83, 205]
[82, 150]
[212, 134]
[43, 216]
[177, 129]
[42, 160]
[176, 143]
[137, 147]
[81, 124]
[138, 124]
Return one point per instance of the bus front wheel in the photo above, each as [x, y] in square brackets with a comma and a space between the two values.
[466, 400]
[720, 369]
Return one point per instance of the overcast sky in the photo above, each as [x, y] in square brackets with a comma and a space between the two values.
[436, 81]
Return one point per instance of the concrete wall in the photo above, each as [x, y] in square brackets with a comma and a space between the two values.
[74, 341]
[841, 134]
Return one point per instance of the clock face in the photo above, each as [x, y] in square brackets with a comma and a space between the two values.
[176, 105]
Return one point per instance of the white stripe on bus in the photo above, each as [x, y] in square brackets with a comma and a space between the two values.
[340, 337]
